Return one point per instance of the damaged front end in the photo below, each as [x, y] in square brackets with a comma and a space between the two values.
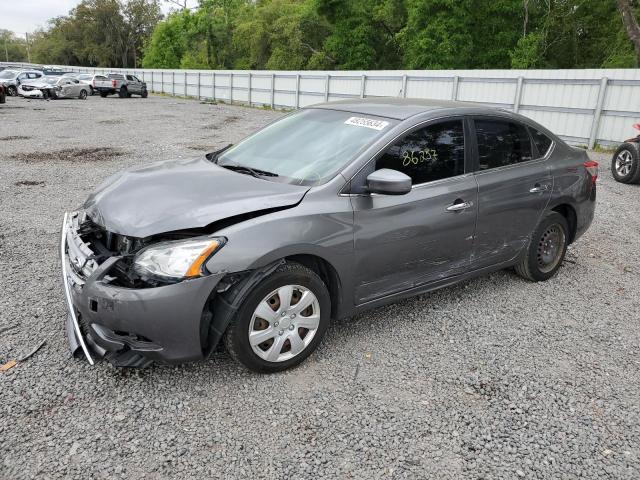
[130, 312]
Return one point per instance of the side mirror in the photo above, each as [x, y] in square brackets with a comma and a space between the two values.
[389, 182]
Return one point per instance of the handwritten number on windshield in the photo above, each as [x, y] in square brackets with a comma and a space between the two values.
[410, 157]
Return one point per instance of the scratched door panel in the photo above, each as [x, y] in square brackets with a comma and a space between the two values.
[409, 240]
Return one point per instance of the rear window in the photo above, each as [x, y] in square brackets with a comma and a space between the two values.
[117, 76]
[502, 143]
[100, 77]
[543, 143]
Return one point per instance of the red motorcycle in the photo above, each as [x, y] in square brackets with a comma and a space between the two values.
[625, 164]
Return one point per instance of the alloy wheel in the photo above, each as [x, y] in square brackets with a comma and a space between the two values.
[284, 323]
[624, 162]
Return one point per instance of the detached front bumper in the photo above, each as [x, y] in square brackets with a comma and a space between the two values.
[130, 327]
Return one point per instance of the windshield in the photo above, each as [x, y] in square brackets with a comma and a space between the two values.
[308, 147]
[8, 74]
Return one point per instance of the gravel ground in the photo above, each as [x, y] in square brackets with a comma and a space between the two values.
[494, 378]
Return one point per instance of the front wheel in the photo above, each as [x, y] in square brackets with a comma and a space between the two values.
[145, 93]
[122, 93]
[83, 94]
[546, 250]
[625, 164]
[281, 322]
[12, 91]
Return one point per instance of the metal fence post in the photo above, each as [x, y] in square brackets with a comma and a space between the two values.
[297, 90]
[595, 125]
[213, 86]
[198, 85]
[185, 83]
[363, 86]
[454, 89]
[151, 81]
[231, 89]
[518, 97]
[326, 88]
[173, 83]
[273, 90]
[404, 86]
[162, 81]
[249, 90]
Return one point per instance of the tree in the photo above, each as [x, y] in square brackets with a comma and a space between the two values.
[12, 48]
[630, 21]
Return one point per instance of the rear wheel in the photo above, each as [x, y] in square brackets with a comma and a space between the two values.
[123, 93]
[546, 250]
[281, 322]
[144, 94]
[625, 164]
[3, 96]
[83, 94]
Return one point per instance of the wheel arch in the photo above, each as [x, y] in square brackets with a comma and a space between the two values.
[569, 213]
[327, 272]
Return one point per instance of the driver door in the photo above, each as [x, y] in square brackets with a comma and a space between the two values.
[425, 236]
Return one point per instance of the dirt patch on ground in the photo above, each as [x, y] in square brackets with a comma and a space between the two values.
[29, 183]
[97, 154]
[10, 138]
[231, 119]
[112, 121]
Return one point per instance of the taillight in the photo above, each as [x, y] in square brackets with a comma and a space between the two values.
[592, 168]
[113, 82]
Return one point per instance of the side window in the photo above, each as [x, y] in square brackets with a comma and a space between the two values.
[428, 154]
[502, 143]
[130, 78]
[543, 143]
[22, 76]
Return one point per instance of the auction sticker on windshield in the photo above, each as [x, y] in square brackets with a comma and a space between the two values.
[367, 123]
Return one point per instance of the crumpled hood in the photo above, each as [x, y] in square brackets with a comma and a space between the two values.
[177, 195]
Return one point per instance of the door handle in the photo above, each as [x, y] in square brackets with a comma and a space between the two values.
[539, 188]
[457, 207]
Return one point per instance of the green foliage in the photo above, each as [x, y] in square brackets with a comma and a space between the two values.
[12, 48]
[109, 33]
[342, 34]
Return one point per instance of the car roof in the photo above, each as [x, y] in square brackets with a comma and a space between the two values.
[403, 108]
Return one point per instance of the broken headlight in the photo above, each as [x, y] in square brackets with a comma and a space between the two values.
[177, 260]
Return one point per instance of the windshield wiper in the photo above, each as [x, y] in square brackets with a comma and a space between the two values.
[255, 172]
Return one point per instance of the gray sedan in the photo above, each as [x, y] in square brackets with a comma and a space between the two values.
[326, 213]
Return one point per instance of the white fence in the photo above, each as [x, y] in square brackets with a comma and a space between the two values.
[584, 107]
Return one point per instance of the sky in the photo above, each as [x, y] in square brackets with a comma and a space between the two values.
[22, 16]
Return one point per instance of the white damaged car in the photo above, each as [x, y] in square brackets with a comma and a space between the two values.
[54, 87]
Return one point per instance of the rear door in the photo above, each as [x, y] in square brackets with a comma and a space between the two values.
[133, 85]
[514, 187]
[405, 241]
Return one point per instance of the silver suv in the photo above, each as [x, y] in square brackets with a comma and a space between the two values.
[11, 79]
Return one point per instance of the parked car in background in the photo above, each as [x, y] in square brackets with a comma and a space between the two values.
[11, 79]
[325, 213]
[54, 87]
[625, 164]
[54, 71]
[90, 79]
[123, 85]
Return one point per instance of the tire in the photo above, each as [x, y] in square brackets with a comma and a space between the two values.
[625, 163]
[283, 326]
[533, 266]
[3, 96]
[122, 93]
[144, 93]
[83, 94]
[12, 91]
[104, 94]
[92, 92]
